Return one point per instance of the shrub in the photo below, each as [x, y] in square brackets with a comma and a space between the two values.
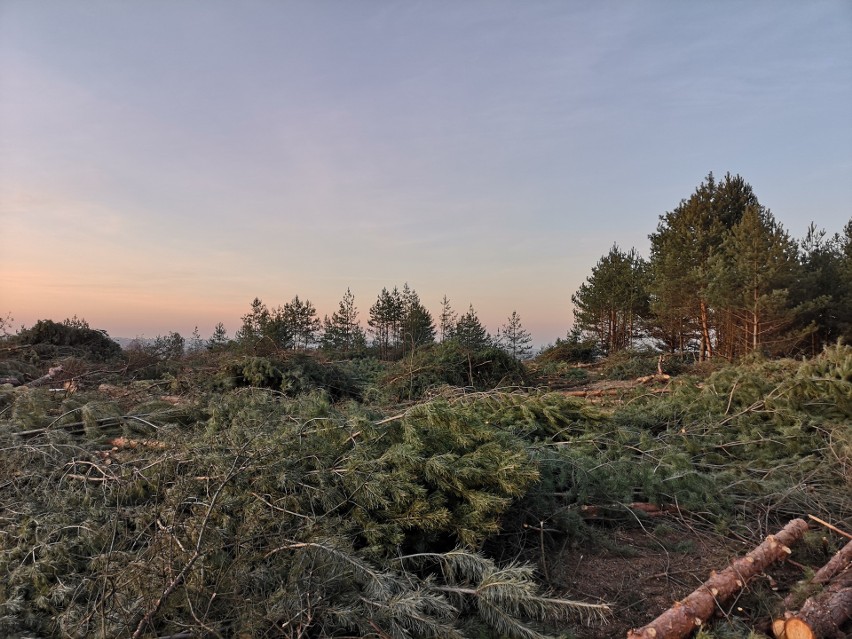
[574, 349]
[451, 364]
[51, 337]
[292, 374]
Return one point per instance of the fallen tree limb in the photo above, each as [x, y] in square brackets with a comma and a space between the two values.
[821, 616]
[102, 422]
[650, 510]
[681, 620]
[44, 379]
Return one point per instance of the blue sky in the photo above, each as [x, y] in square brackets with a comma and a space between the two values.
[163, 163]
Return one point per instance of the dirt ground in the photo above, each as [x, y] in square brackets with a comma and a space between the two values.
[641, 571]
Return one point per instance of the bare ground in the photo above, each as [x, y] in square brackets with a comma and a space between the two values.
[641, 571]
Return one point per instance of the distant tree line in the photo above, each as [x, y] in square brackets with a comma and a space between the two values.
[397, 324]
[724, 279]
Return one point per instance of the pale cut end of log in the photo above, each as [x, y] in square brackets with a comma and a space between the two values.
[778, 629]
[797, 629]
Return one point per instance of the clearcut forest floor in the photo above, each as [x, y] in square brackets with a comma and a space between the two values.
[640, 572]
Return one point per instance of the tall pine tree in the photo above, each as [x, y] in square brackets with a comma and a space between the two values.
[448, 319]
[470, 333]
[611, 303]
[418, 329]
[685, 241]
[749, 278]
[342, 332]
[302, 321]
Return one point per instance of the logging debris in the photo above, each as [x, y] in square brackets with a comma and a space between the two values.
[681, 620]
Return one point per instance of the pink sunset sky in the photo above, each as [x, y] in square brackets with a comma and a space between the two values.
[163, 163]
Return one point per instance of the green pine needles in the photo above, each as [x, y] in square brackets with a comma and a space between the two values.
[247, 512]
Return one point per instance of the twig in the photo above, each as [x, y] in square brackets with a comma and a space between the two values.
[88, 478]
[830, 527]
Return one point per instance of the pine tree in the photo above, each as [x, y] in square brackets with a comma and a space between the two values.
[254, 323]
[279, 330]
[342, 332]
[822, 292]
[418, 329]
[448, 319]
[613, 300]
[219, 338]
[749, 279]
[514, 339]
[385, 321]
[470, 333]
[196, 343]
[685, 240]
[302, 322]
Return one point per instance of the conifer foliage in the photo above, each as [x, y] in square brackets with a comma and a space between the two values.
[724, 279]
[612, 301]
[257, 501]
[469, 332]
[342, 332]
[514, 338]
[232, 529]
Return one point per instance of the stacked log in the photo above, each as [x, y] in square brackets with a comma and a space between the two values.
[823, 615]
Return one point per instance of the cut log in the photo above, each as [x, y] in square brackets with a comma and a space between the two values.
[682, 619]
[837, 564]
[617, 510]
[823, 615]
[46, 379]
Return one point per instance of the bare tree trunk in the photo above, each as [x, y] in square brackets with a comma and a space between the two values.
[681, 620]
[755, 323]
[705, 332]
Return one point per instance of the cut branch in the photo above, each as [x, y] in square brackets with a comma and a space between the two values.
[44, 379]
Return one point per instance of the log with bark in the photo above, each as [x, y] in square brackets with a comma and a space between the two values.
[839, 562]
[823, 615]
[615, 511]
[45, 379]
[684, 617]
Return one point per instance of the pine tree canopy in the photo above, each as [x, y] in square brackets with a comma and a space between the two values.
[469, 332]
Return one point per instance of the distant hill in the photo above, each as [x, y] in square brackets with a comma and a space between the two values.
[124, 342]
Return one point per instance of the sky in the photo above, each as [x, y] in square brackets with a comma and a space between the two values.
[164, 163]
